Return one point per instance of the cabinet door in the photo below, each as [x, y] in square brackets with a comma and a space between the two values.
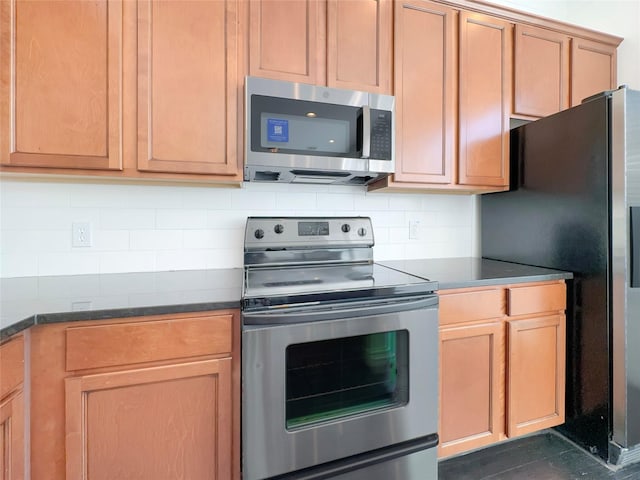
[535, 374]
[359, 44]
[541, 71]
[485, 98]
[188, 87]
[593, 69]
[287, 40]
[61, 84]
[12, 437]
[172, 421]
[471, 386]
[426, 90]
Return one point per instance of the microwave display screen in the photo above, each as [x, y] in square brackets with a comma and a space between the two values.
[308, 229]
[300, 133]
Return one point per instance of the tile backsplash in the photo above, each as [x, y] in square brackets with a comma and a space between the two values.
[142, 228]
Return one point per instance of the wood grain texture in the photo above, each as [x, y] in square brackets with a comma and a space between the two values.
[593, 69]
[287, 40]
[485, 99]
[426, 92]
[11, 365]
[471, 386]
[62, 84]
[172, 421]
[535, 374]
[137, 342]
[359, 44]
[12, 437]
[541, 71]
[471, 305]
[537, 299]
[187, 86]
[48, 373]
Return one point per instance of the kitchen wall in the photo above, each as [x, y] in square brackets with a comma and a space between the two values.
[151, 227]
[137, 228]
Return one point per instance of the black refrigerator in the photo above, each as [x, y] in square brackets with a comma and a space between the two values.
[574, 204]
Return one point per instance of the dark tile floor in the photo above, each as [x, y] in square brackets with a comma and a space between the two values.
[546, 456]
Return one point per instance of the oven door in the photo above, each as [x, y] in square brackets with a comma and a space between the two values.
[328, 383]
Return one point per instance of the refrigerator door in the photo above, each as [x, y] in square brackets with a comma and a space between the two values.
[557, 216]
[625, 233]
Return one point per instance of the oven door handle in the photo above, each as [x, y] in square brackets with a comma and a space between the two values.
[320, 312]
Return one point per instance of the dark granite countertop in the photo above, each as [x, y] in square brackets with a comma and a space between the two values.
[474, 272]
[28, 301]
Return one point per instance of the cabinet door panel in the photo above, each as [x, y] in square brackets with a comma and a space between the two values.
[287, 40]
[593, 69]
[12, 438]
[485, 96]
[536, 374]
[471, 387]
[60, 91]
[187, 86]
[425, 90]
[541, 71]
[163, 422]
[359, 44]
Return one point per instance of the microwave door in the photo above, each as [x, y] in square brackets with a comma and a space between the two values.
[366, 131]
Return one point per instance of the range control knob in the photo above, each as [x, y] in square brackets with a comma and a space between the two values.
[279, 228]
[362, 231]
[259, 233]
[346, 227]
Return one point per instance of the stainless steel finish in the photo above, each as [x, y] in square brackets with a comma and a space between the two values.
[275, 450]
[280, 167]
[625, 193]
[366, 131]
[422, 465]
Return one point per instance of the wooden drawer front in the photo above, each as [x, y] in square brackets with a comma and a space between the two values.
[11, 365]
[537, 298]
[126, 343]
[469, 306]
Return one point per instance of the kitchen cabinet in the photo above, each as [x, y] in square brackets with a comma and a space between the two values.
[338, 43]
[502, 363]
[110, 398]
[131, 90]
[541, 71]
[61, 88]
[593, 69]
[188, 87]
[452, 87]
[13, 420]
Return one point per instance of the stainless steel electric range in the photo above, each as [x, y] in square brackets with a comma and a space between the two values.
[339, 356]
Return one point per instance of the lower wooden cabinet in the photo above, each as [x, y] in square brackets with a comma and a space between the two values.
[172, 421]
[13, 415]
[502, 364]
[142, 398]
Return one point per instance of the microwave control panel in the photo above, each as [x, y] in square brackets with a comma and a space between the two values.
[381, 134]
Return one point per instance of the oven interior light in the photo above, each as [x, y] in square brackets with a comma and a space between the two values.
[332, 141]
[311, 114]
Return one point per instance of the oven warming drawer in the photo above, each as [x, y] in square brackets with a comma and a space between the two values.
[344, 396]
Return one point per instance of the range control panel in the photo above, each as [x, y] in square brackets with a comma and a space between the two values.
[307, 232]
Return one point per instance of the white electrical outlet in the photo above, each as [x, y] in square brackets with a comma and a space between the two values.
[80, 234]
[414, 229]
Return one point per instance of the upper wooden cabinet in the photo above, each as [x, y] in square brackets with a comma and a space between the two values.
[61, 84]
[541, 71]
[188, 86]
[426, 92]
[593, 69]
[485, 94]
[339, 43]
[145, 89]
[452, 88]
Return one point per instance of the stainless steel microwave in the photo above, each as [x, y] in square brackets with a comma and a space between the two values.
[299, 133]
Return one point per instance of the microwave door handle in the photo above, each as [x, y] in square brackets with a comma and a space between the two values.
[366, 131]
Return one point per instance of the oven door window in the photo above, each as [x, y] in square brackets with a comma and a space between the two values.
[331, 379]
